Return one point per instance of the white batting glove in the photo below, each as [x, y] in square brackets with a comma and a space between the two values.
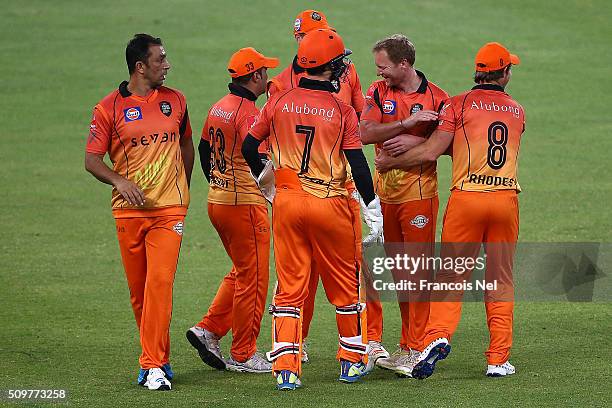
[266, 181]
[372, 216]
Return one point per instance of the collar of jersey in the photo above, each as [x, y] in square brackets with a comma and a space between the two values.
[315, 85]
[489, 87]
[241, 91]
[296, 68]
[424, 83]
[123, 90]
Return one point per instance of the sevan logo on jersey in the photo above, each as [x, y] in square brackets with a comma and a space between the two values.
[132, 114]
[389, 107]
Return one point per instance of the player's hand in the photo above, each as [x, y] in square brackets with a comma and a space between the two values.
[384, 161]
[130, 191]
[266, 181]
[419, 117]
[372, 214]
[402, 143]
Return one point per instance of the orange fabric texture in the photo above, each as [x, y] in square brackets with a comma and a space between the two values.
[149, 250]
[247, 60]
[227, 124]
[240, 300]
[493, 56]
[419, 182]
[300, 121]
[412, 222]
[309, 20]
[305, 240]
[487, 124]
[141, 136]
[475, 217]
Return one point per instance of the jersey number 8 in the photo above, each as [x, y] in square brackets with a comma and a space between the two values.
[498, 138]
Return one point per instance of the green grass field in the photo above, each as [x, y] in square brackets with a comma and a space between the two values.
[65, 317]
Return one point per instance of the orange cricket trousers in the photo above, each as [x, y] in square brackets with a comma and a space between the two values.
[317, 234]
[412, 222]
[373, 305]
[480, 217]
[240, 300]
[149, 250]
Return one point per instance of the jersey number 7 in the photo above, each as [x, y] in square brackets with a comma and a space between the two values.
[309, 132]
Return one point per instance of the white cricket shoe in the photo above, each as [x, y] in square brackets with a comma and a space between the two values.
[376, 351]
[207, 344]
[157, 381]
[389, 363]
[406, 362]
[305, 352]
[256, 364]
[500, 370]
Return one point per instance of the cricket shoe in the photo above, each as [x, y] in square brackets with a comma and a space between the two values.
[500, 370]
[405, 363]
[351, 372]
[157, 381]
[287, 381]
[376, 351]
[390, 362]
[207, 344]
[305, 352]
[436, 350]
[256, 364]
[142, 374]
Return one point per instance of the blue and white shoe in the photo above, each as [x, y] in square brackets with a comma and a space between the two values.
[351, 372]
[287, 381]
[436, 350]
[157, 381]
[166, 368]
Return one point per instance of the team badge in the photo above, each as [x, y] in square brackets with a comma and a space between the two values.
[420, 221]
[132, 114]
[315, 16]
[389, 107]
[178, 228]
[297, 24]
[415, 108]
[165, 108]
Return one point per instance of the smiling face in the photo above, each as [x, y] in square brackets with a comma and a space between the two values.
[157, 66]
[392, 73]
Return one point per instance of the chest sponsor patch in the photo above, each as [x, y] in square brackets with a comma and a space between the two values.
[132, 114]
[419, 221]
[165, 108]
[415, 108]
[389, 106]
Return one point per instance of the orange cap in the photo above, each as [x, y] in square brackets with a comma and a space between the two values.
[246, 60]
[493, 56]
[309, 20]
[320, 47]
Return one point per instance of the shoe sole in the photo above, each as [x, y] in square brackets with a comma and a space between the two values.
[349, 380]
[426, 367]
[402, 373]
[286, 387]
[497, 375]
[239, 369]
[161, 388]
[206, 355]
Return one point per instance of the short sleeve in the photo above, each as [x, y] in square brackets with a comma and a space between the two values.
[99, 138]
[185, 128]
[351, 138]
[371, 111]
[205, 134]
[447, 120]
[261, 128]
[357, 93]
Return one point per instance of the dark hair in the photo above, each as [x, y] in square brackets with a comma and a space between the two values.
[138, 49]
[316, 71]
[398, 48]
[491, 76]
[243, 80]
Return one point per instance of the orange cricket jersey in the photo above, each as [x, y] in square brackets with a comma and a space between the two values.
[227, 124]
[384, 105]
[141, 136]
[307, 129]
[487, 124]
[350, 86]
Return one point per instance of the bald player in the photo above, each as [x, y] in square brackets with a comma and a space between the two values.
[312, 136]
[484, 126]
[144, 128]
[350, 92]
[239, 213]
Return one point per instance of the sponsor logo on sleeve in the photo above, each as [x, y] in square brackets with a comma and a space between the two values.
[132, 114]
[165, 108]
[419, 221]
[389, 107]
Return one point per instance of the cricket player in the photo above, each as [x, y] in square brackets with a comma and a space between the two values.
[402, 109]
[350, 93]
[312, 136]
[484, 126]
[239, 213]
[144, 128]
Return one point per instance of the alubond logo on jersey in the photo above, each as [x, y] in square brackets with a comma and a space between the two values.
[389, 107]
[132, 114]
